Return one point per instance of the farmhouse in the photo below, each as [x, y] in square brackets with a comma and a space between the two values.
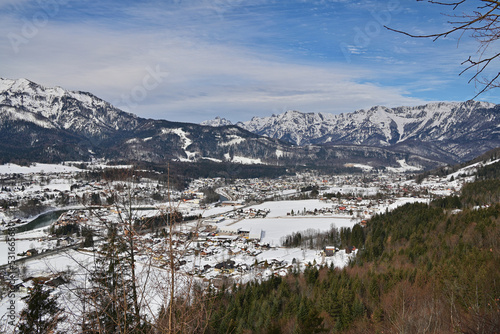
[329, 250]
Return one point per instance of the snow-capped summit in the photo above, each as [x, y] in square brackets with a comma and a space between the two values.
[53, 124]
[217, 122]
[458, 130]
[64, 109]
[293, 126]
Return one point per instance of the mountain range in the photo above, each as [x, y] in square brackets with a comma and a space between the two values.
[446, 131]
[53, 124]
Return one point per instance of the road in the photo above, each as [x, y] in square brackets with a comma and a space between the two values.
[24, 259]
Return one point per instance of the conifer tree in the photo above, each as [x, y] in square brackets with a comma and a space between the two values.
[41, 314]
[110, 299]
[357, 236]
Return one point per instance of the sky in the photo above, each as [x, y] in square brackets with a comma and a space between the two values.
[193, 60]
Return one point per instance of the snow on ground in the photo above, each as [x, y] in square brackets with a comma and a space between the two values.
[192, 209]
[278, 223]
[469, 170]
[212, 159]
[216, 210]
[360, 166]
[276, 228]
[243, 160]
[357, 191]
[153, 280]
[404, 167]
[183, 135]
[400, 202]
[76, 262]
[37, 168]
[60, 262]
[234, 140]
[281, 208]
[104, 166]
[59, 185]
[24, 243]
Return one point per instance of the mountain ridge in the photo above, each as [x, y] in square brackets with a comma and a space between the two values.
[456, 129]
[53, 124]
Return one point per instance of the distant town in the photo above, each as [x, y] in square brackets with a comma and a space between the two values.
[221, 231]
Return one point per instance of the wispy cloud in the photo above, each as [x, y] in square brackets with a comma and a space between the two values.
[194, 60]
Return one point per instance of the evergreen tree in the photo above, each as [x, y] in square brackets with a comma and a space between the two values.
[110, 299]
[308, 318]
[88, 234]
[41, 314]
[357, 236]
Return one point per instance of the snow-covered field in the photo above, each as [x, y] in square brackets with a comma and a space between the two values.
[276, 228]
[37, 168]
[24, 242]
[400, 202]
[357, 191]
[404, 167]
[282, 208]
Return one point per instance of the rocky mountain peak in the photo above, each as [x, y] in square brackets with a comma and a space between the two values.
[447, 126]
[50, 124]
[218, 121]
[81, 112]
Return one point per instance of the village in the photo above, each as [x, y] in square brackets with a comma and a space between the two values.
[87, 202]
[216, 232]
[27, 195]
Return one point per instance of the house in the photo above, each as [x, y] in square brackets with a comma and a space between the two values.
[230, 203]
[350, 249]
[31, 252]
[255, 235]
[17, 285]
[228, 230]
[329, 250]
[55, 282]
[225, 267]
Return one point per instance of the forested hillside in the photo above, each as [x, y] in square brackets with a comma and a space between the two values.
[422, 269]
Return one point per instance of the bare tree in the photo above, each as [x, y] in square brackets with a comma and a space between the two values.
[482, 24]
[185, 305]
[148, 280]
[127, 277]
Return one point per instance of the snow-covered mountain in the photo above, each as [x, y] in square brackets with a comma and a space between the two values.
[56, 108]
[53, 124]
[217, 122]
[456, 131]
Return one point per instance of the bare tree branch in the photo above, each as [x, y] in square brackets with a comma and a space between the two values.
[483, 24]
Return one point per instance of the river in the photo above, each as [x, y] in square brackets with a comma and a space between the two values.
[45, 219]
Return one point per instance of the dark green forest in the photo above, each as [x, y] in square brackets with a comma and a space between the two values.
[422, 268]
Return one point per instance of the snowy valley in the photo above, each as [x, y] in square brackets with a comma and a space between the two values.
[239, 238]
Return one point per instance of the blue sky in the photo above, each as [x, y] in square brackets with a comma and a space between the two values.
[193, 60]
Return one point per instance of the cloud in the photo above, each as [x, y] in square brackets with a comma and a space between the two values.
[174, 61]
[13, 4]
[204, 78]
